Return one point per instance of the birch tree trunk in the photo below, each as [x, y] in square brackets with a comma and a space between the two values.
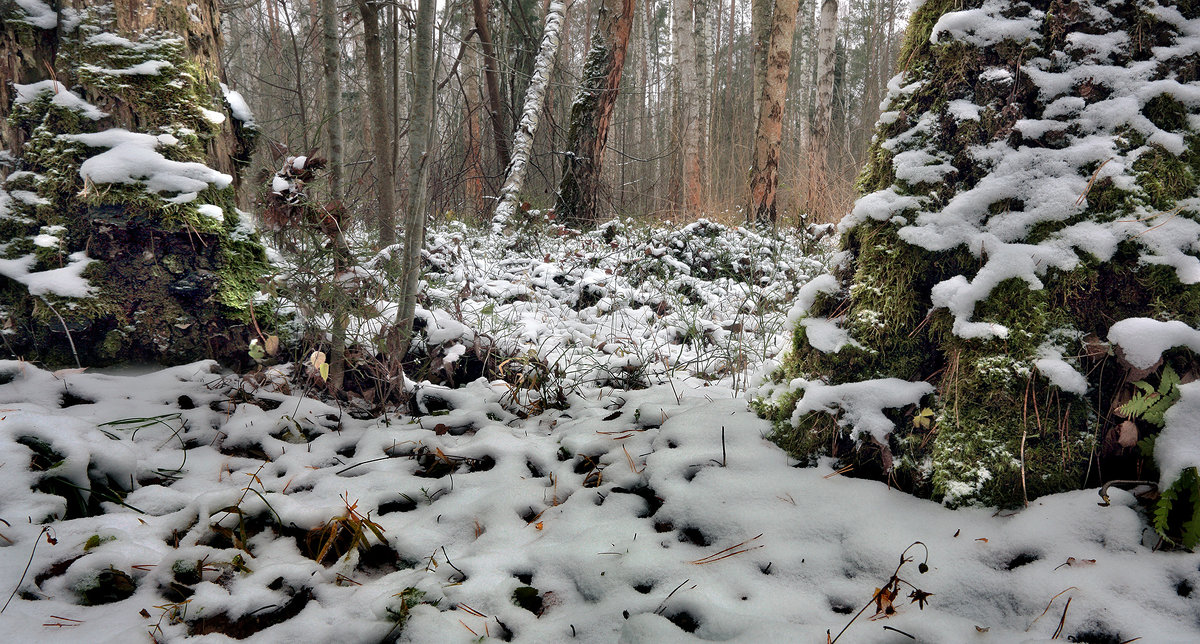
[817, 197]
[530, 115]
[591, 114]
[419, 134]
[764, 173]
[385, 180]
[760, 31]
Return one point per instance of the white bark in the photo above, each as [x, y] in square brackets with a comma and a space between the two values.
[535, 96]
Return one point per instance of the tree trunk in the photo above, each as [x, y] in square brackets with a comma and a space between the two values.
[385, 179]
[332, 54]
[530, 115]
[131, 256]
[419, 148]
[817, 198]
[687, 109]
[591, 114]
[760, 34]
[491, 76]
[1010, 264]
[764, 173]
[473, 172]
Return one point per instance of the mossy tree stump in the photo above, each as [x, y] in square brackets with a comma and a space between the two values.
[1032, 182]
[118, 222]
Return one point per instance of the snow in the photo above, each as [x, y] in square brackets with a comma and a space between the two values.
[693, 513]
[1177, 446]
[986, 25]
[132, 159]
[39, 14]
[213, 212]
[1143, 340]
[238, 106]
[145, 68]
[66, 281]
[861, 403]
[827, 336]
[63, 97]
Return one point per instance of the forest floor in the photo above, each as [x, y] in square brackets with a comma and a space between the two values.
[626, 495]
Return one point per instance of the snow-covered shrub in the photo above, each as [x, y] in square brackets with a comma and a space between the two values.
[1032, 184]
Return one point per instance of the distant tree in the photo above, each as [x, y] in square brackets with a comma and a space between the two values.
[591, 115]
[118, 218]
[1024, 248]
[764, 170]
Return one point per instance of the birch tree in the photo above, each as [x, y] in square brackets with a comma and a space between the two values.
[817, 198]
[764, 173]
[530, 116]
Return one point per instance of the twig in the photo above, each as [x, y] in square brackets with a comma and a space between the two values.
[717, 555]
[63, 322]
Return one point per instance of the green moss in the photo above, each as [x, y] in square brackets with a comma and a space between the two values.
[1164, 178]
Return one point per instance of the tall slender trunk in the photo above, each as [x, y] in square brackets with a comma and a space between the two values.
[332, 51]
[687, 109]
[473, 172]
[764, 173]
[760, 34]
[491, 76]
[385, 180]
[419, 135]
[591, 114]
[530, 115]
[817, 194]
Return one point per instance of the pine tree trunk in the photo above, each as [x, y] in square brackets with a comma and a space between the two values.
[472, 132]
[591, 114]
[530, 115]
[683, 28]
[764, 173]
[491, 76]
[137, 258]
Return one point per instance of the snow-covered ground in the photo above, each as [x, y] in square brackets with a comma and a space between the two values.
[250, 509]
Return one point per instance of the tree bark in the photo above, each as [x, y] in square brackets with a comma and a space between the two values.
[385, 179]
[491, 76]
[332, 54]
[817, 198]
[161, 274]
[419, 131]
[687, 108]
[764, 173]
[760, 33]
[591, 114]
[530, 115]
[473, 172]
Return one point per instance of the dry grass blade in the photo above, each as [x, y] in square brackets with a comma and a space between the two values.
[717, 556]
[1062, 620]
[1048, 605]
[1091, 182]
[632, 467]
[841, 471]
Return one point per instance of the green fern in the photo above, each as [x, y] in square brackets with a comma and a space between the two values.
[1150, 403]
[1173, 520]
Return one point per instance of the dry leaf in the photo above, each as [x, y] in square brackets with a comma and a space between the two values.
[272, 345]
[1128, 436]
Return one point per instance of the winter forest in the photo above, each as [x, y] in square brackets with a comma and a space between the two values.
[636, 321]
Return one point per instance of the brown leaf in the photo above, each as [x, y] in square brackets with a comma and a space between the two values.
[1128, 434]
[919, 597]
[440, 429]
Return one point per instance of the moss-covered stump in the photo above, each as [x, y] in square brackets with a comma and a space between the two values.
[1032, 183]
[119, 235]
